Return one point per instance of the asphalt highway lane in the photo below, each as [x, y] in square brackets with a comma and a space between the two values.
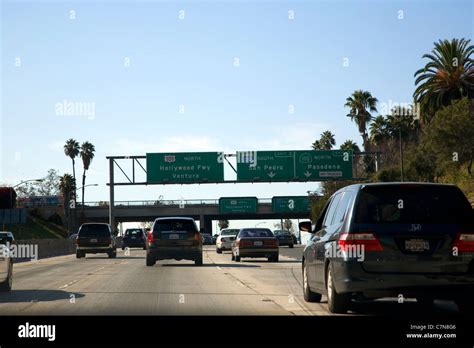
[97, 285]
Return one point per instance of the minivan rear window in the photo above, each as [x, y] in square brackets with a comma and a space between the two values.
[412, 204]
[94, 231]
[174, 225]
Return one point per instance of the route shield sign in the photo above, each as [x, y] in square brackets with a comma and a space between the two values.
[303, 165]
[184, 167]
[238, 204]
[290, 204]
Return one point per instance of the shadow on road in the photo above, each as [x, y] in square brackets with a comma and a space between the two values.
[264, 261]
[388, 308]
[115, 258]
[16, 296]
[226, 265]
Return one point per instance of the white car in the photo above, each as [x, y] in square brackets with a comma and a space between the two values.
[6, 262]
[225, 239]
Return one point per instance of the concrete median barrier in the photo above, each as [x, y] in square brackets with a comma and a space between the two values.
[45, 248]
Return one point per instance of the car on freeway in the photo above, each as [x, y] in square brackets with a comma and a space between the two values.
[6, 261]
[206, 239]
[175, 238]
[225, 239]
[134, 238]
[295, 239]
[7, 236]
[72, 236]
[390, 239]
[95, 238]
[255, 242]
[284, 238]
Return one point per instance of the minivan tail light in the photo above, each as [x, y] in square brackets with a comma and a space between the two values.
[197, 236]
[150, 237]
[464, 242]
[368, 240]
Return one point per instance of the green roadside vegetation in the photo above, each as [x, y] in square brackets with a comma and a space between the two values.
[35, 228]
[434, 136]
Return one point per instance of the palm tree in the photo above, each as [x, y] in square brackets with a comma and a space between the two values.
[87, 154]
[67, 186]
[223, 224]
[326, 142]
[361, 104]
[71, 149]
[449, 75]
[316, 145]
[379, 132]
[350, 145]
[406, 124]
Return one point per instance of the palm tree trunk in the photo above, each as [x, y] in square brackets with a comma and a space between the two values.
[73, 170]
[83, 188]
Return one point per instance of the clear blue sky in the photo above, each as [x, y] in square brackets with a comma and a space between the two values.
[190, 62]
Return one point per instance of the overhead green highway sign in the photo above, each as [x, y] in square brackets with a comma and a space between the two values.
[238, 204]
[184, 167]
[303, 165]
[323, 164]
[290, 204]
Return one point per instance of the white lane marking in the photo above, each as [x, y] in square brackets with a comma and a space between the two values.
[68, 284]
[218, 267]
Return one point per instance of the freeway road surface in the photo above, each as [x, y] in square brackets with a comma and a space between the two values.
[97, 285]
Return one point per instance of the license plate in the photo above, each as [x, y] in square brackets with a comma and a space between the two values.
[258, 243]
[417, 245]
[174, 236]
[93, 240]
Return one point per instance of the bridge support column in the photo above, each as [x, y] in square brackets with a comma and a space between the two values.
[111, 197]
[202, 225]
[208, 225]
[205, 224]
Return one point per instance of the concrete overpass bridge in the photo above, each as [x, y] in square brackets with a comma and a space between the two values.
[204, 210]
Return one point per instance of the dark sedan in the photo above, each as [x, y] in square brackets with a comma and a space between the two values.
[284, 238]
[390, 240]
[206, 239]
[255, 242]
